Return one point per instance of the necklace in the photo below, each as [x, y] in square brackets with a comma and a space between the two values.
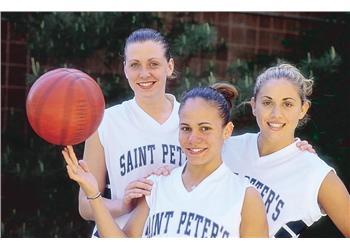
[193, 187]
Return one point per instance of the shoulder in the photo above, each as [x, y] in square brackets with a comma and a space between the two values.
[161, 179]
[239, 145]
[239, 139]
[252, 194]
[252, 201]
[310, 166]
[118, 112]
[173, 100]
[254, 222]
[119, 107]
[237, 182]
[312, 160]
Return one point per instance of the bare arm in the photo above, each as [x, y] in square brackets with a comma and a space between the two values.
[95, 159]
[136, 223]
[253, 216]
[79, 172]
[334, 198]
[108, 228]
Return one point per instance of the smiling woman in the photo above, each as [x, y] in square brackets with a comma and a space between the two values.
[147, 74]
[137, 136]
[297, 186]
[278, 109]
[202, 198]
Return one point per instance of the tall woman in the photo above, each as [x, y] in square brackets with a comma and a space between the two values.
[138, 135]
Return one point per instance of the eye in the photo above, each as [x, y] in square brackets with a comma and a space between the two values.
[154, 64]
[288, 104]
[266, 103]
[185, 128]
[204, 129]
[134, 65]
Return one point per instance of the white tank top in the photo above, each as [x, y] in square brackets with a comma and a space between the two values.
[134, 144]
[288, 181]
[212, 209]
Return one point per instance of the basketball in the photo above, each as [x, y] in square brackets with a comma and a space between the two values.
[65, 106]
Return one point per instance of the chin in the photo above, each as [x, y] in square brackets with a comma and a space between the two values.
[272, 134]
[196, 162]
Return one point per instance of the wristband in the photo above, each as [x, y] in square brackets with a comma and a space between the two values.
[94, 197]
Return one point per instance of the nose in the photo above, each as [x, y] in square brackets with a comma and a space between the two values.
[194, 138]
[276, 111]
[144, 72]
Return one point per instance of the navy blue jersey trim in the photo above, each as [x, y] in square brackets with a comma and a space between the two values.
[96, 234]
[295, 226]
[283, 233]
[107, 191]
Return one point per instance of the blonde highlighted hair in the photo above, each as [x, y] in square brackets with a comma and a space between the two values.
[294, 76]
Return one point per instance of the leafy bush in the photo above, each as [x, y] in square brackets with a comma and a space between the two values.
[40, 201]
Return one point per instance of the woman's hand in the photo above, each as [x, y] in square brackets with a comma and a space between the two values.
[305, 146]
[136, 189]
[164, 170]
[142, 187]
[79, 172]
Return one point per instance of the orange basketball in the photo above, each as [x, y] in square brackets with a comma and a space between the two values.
[65, 106]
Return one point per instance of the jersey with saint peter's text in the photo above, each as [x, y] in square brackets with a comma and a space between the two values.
[288, 181]
[134, 144]
[210, 210]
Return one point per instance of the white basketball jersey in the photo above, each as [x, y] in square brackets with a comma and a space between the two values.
[212, 209]
[134, 144]
[288, 181]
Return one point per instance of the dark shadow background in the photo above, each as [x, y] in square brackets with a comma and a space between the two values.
[38, 199]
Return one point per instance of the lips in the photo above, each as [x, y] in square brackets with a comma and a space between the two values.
[276, 125]
[146, 85]
[196, 151]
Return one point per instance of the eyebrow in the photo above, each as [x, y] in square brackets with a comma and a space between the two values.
[200, 124]
[204, 123]
[284, 99]
[150, 59]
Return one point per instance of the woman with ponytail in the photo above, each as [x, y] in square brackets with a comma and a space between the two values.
[297, 187]
[203, 198]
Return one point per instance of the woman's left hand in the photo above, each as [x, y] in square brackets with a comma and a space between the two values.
[305, 146]
[164, 170]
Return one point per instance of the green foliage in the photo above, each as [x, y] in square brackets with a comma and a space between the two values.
[194, 39]
[40, 201]
[328, 111]
[326, 57]
[70, 37]
[38, 197]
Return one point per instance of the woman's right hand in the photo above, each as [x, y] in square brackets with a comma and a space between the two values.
[79, 172]
[163, 170]
[136, 189]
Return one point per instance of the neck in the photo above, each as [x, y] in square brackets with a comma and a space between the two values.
[268, 145]
[158, 108]
[193, 175]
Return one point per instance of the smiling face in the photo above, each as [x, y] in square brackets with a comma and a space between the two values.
[278, 109]
[201, 133]
[147, 68]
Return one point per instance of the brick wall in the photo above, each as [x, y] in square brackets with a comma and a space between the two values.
[246, 35]
[14, 66]
[250, 34]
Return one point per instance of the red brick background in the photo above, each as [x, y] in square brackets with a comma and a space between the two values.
[246, 35]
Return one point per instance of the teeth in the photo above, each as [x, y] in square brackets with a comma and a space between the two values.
[196, 150]
[276, 125]
[145, 84]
